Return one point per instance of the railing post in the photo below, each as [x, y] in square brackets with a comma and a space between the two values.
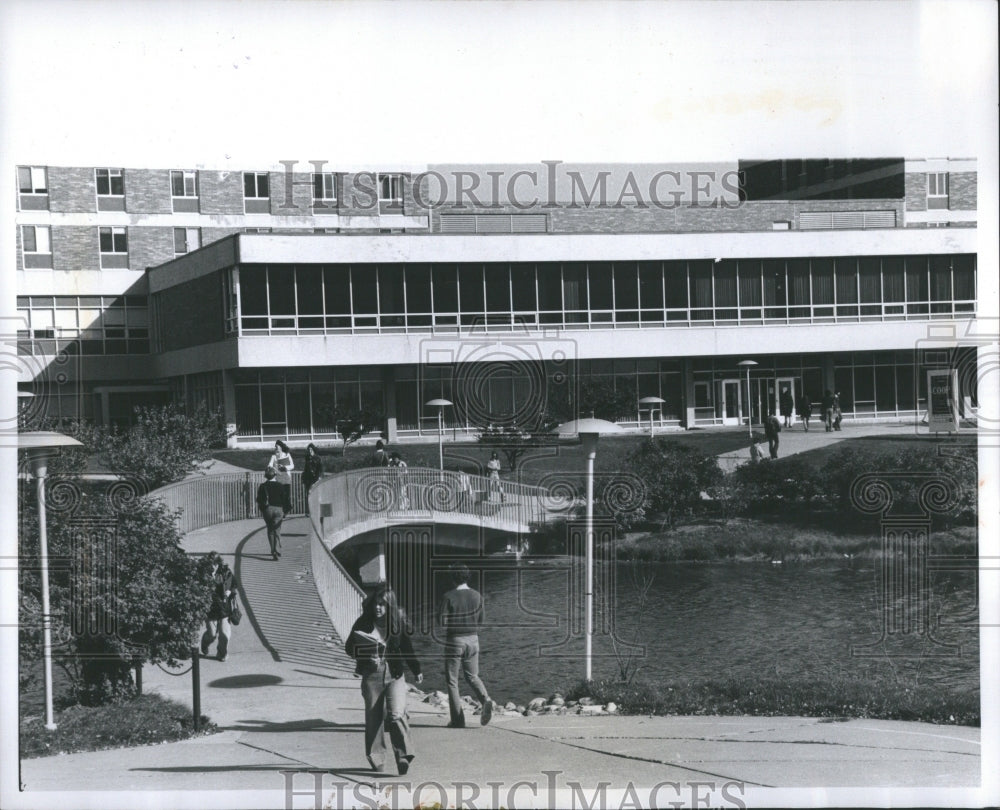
[196, 686]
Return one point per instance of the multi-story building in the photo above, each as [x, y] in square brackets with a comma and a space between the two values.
[288, 297]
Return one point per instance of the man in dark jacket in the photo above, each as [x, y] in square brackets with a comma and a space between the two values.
[462, 615]
[271, 502]
[772, 427]
[224, 587]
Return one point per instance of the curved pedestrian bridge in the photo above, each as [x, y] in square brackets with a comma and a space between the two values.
[366, 501]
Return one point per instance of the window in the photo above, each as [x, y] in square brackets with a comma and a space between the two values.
[937, 190]
[324, 187]
[256, 192]
[110, 182]
[390, 189]
[114, 247]
[186, 240]
[184, 184]
[36, 239]
[32, 180]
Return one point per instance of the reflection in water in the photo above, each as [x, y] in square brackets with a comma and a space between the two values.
[708, 621]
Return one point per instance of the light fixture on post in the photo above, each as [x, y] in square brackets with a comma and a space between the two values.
[40, 447]
[589, 430]
[652, 402]
[440, 404]
[748, 364]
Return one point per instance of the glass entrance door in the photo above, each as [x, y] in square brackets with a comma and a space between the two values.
[732, 402]
[784, 384]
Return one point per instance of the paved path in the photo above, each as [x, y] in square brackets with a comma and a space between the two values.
[287, 701]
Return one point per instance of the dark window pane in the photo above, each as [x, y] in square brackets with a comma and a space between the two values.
[798, 282]
[418, 288]
[337, 289]
[700, 274]
[916, 278]
[940, 278]
[847, 281]
[523, 286]
[549, 286]
[675, 278]
[774, 283]
[725, 284]
[626, 286]
[117, 184]
[363, 289]
[390, 292]
[470, 287]
[445, 288]
[869, 269]
[309, 290]
[964, 277]
[893, 279]
[822, 281]
[885, 388]
[497, 288]
[651, 285]
[281, 290]
[107, 241]
[575, 286]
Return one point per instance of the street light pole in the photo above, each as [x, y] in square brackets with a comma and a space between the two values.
[589, 430]
[652, 402]
[40, 446]
[747, 364]
[440, 404]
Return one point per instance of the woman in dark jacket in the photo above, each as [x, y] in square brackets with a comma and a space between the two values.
[224, 587]
[380, 644]
[313, 470]
[805, 410]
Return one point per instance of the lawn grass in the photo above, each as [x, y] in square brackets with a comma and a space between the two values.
[145, 720]
[836, 696]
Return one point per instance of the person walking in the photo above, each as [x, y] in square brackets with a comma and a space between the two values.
[461, 615]
[805, 410]
[402, 483]
[271, 502]
[837, 415]
[772, 427]
[493, 468]
[217, 624]
[379, 643]
[785, 405]
[827, 408]
[380, 458]
[282, 464]
[312, 472]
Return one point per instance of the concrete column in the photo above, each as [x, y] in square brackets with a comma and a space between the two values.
[828, 383]
[389, 388]
[687, 385]
[229, 407]
[371, 563]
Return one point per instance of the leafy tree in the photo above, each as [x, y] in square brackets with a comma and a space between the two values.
[351, 422]
[602, 399]
[163, 446]
[675, 477]
[126, 593]
[514, 441]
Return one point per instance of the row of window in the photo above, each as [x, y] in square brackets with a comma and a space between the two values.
[274, 403]
[89, 325]
[345, 297]
[184, 184]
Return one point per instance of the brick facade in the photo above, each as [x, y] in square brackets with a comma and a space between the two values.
[962, 191]
[72, 190]
[294, 201]
[147, 191]
[916, 191]
[221, 192]
[75, 248]
[149, 246]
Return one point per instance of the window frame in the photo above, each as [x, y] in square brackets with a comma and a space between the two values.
[113, 231]
[187, 246]
[938, 189]
[31, 180]
[185, 175]
[325, 194]
[111, 176]
[257, 182]
[35, 228]
[393, 182]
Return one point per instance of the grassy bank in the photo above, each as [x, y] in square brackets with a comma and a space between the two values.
[146, 720]
[833, 697]
[746, 538]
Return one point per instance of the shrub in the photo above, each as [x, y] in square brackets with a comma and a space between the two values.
[772, 485]
[676, 478]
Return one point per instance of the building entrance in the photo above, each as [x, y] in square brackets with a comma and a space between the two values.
[731, 402]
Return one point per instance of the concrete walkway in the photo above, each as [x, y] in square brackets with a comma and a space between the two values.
[286, 701]
[796, 439]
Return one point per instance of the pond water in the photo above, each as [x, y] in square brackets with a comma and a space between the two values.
[706, 621]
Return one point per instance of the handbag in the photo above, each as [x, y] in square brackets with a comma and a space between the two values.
[235, 614]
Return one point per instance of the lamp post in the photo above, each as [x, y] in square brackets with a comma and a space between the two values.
[589, 430]
[440, 404]
[747, 364]
[652, 402]
[41, 446]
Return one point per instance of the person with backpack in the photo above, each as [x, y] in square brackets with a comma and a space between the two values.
[217, 624]
[271, 502]
[805, 410]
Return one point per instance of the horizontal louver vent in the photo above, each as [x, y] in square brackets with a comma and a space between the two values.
[844, 220]
[492, 223]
